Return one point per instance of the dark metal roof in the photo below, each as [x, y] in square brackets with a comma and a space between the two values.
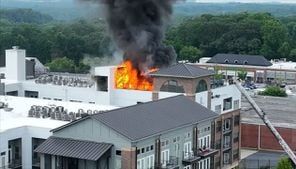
[73, 148]
[183, 70]
[151, 118]
[237, 59]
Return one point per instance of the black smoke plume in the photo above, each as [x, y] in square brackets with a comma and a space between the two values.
[137, 27]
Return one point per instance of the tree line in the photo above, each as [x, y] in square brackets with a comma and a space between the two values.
[244, 33]
[192, 37]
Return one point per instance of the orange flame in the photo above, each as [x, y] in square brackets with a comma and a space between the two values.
[128, 77]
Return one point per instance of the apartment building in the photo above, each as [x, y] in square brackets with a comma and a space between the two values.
[172, 133]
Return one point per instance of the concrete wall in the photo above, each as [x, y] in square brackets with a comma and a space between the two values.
[25, 133]
[15, 64]
[259, 137]
[67, 93]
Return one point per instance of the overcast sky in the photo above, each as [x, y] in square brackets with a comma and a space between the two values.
[248, 1]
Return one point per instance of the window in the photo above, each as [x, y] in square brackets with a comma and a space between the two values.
[226, 61]
[236, 104]
[187, 167]
[143, 150]
[202, 86]
[151, 147]
[227, 125]
[118, 152]
[245, 62]
[46, 98]
[141, 163]
[226, 158]
[218, 127]
[172, 86]
[177, 149]
[205, 142]
[165, 156]
[204, 164]
[149, 162]
[31, 94]
[102, 83]
[236, 120]
[138, 151]
[187, 149]
[227, 104]
[226, 142]
[147, 149]
[218, 109]
[57, 99]
[235, 61]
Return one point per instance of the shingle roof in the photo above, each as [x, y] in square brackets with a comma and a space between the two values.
[237, 59]
[73, 148]
[151, 118]
[183, 70]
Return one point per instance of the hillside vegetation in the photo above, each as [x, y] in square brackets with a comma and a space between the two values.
[193, 37]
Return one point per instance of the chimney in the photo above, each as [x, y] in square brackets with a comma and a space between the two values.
[15, 64]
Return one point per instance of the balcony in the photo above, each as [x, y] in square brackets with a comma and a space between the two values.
[204, 153]
[190, 158]
[15, 163]
[172, 163]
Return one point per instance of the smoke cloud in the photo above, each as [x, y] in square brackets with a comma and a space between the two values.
[137, 28]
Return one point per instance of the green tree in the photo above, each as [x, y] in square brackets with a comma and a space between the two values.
[242, 74]
[190, 53]
[274, 91]
[284, 163]
[285, 50]
[62, 65]
[292, 55]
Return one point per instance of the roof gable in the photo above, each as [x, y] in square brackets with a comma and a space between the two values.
[183, 70]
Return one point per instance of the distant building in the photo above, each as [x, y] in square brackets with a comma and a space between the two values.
[258, 68]
[236, 59]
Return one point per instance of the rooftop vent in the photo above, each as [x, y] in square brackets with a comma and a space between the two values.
[15, 47]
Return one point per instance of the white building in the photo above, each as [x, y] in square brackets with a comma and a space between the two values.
[98, 88]
[21, 134]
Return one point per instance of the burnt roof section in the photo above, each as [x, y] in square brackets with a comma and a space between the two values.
[237, 59]
[73, 148]
[152, 118]
[183, 70]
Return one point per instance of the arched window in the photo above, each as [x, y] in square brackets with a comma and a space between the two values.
[172, 86]
[236, 61]
[201, 86]
[245, 62]
[226, 61]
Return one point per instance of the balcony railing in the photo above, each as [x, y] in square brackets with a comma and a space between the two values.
[15, 163]
[172, 163]
[191, 157]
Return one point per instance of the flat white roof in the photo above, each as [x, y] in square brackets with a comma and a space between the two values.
[284, 65]
[18, 117]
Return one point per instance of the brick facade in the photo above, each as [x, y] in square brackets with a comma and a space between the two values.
[259, 137]
[129, 158]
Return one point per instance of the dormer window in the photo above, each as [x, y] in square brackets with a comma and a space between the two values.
[245, 62]
[236, 61]
[226, 61]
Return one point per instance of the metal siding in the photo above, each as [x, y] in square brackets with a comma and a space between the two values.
[73, 148]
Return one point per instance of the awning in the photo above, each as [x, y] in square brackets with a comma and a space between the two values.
[80, 149]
